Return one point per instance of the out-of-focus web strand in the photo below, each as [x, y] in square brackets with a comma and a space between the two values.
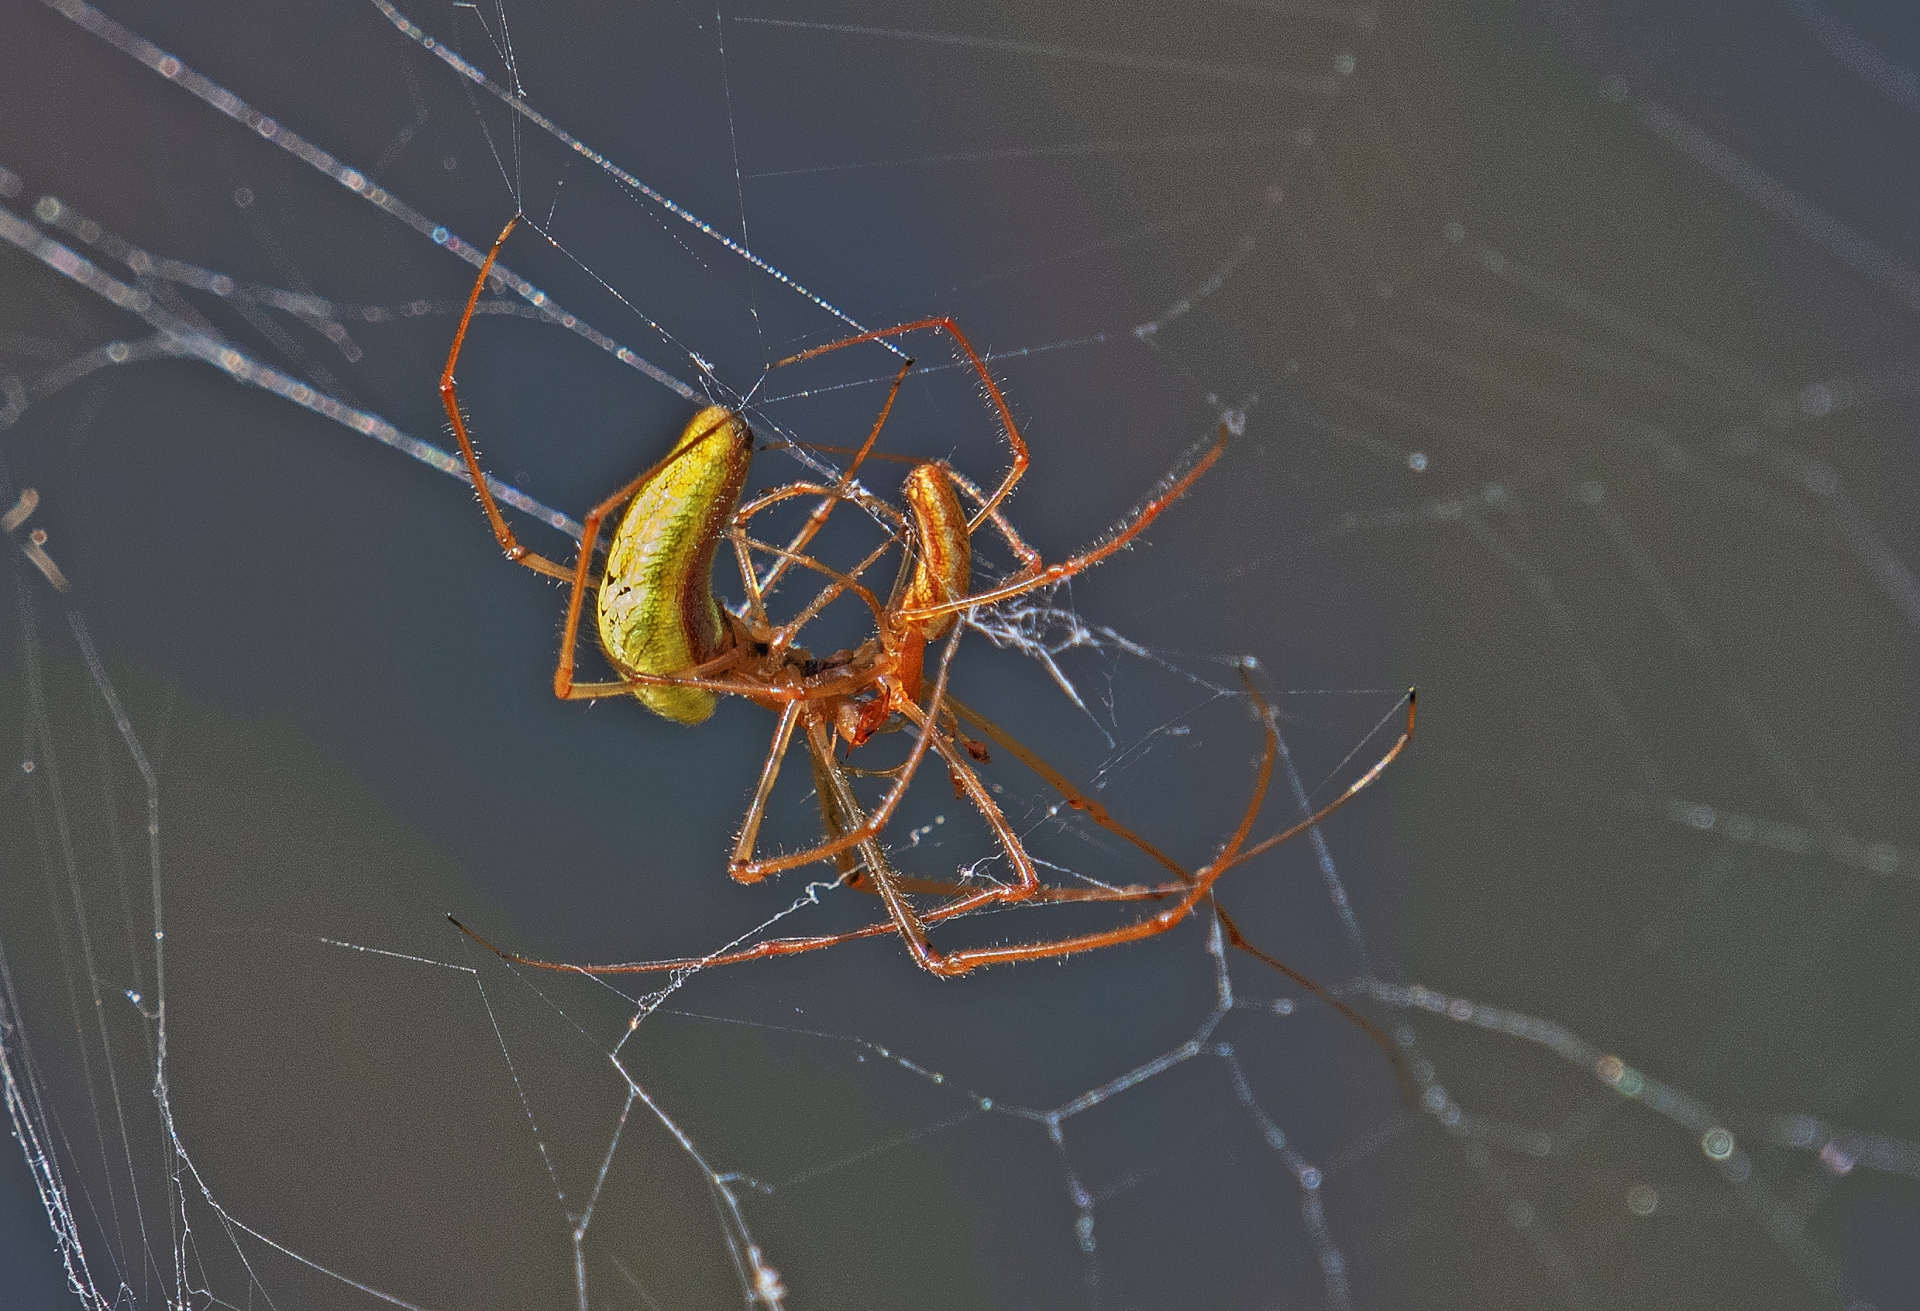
[519, 105]
[212, 93]
[178, 337]
[1781, 1221]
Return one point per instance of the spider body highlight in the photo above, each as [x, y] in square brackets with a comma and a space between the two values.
[656, 610]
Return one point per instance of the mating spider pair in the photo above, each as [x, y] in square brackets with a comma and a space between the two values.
[676, 650]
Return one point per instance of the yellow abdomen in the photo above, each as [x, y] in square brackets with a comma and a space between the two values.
[656, 608]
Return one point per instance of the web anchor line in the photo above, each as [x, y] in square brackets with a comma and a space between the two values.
[408, 28]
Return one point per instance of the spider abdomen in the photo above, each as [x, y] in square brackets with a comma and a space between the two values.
[656, 609]
[943, 552]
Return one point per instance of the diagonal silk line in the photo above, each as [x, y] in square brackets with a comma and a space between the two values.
[217, 96]
[184, 339]
[1878, 266]
[1263, 77]
[415, 33]
[1857, 55]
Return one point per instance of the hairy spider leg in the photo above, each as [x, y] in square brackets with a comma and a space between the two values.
[778, 639]
[701, 676]
[1409, 1089]
[940, 568]
[869, 827]
[1129, 529]
[1190, 892]
[450, 398]
[1100, 816]
[758, 587]
[1015, 441]
[1033, 574]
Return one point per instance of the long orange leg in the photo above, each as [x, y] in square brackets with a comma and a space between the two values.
[818, 519]
[779, 639]
[581, 572]
[754, 870]
[749, 574]
[1027, 878]
[1029, 558]
[1233, 853]
[769, 773]
[1055, 573]
[1015, 441]
[843, 810]
[450, 397]
[1408, 1087]
[957, 962]
[1072, 795]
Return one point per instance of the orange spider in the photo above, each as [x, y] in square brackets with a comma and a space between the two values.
[676, 649]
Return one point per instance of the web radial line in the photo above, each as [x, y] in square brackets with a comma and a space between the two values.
[760, 1281]
[162, 1093]
[43, 1164]
[1236, 73]
[1738, 377]
[1857, 55]
[1186, 1051]
[1767, 743]
[1543, 593]
[466, 70]
[64, 860]
[1879, 266]
[886, 1145]
[217, 96]
[513, 1072]
[1210, 140]
[186, 340]
[1781, 1224]
[1333, 1263]
[227, 1218]
[105, 688]
[1323, 854]
[600, 1176]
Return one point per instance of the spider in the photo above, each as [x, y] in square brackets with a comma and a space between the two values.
[676, 650]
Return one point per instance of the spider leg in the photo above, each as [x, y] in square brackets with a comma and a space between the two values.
[870, 827]
[1408, 1088]
[783, 636]
[749, 579]
[1029, 558]
[581, 574]
[706, 676]
[450, 397]
[952, 329]
[969, 898]
[1054, 573]
[840, 809]
[1379, 767]
[961, 961]
[1072, 795]
[769, 772]
[818, 519]
[901, 918]
[743, 547]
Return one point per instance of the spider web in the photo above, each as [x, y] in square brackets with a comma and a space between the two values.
[1567, 381]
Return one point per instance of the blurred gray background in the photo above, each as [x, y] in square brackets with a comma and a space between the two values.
[1574, 344]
